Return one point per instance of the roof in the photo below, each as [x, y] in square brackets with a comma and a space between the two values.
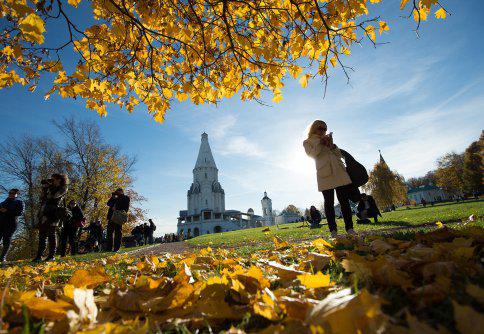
[422, 188]
[205, 157]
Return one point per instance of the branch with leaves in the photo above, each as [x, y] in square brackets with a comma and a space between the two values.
[156, 51]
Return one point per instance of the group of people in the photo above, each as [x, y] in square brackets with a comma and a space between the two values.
[54, 214]
[336, 176]
[143, 233]
[56, 218]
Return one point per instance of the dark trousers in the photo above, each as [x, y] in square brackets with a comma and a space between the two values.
[47, 234]
[7, 229]
[69, 233]
[344, 194]
[150, 238]
[114, 230]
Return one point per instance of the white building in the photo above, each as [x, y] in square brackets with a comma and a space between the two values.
[287, 217]
[267, 213]
[206, 211]
[429, 193]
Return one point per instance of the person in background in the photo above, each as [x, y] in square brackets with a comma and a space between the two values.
[151, 231]
[367, 208]
[71, 228]
[137, 233]
[10, 210]
[118, 201]
[52, 213]
[146, 233]
[331, 175]
[315, 217]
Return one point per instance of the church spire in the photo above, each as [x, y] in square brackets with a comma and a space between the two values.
[381, 158]
[205, 157]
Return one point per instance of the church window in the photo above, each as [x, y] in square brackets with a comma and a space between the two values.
[265, 211]
[206, 202]
[205, 175]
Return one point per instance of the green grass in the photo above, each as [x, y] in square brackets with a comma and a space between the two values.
[250, 240]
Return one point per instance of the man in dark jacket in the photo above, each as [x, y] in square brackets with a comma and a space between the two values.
[367, 208]
[10, 210]
[118, 201]
[70, 228]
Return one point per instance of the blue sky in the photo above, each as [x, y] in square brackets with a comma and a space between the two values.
[413, 98]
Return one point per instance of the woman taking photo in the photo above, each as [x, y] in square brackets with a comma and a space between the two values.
[51, 214]
[331, 175]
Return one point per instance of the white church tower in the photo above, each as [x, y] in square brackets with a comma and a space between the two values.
[267, 210]
[206, 198]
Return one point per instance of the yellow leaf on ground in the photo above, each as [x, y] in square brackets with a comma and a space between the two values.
[88, 279]
[280, 244]
[310, 281]
[467, 319]
[46, 308]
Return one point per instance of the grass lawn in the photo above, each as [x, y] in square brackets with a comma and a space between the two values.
[255, 238]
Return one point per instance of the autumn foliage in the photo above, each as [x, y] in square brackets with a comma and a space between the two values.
[156, 51]
[373, 284]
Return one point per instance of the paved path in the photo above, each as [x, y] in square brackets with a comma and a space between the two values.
[158, 249]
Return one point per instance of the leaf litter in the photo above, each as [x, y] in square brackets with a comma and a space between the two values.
[356, 284]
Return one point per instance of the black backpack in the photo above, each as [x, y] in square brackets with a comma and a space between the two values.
[356, 171]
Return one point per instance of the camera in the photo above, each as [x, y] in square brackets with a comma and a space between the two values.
[46, 182]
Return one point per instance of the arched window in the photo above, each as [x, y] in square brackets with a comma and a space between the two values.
[205, 175]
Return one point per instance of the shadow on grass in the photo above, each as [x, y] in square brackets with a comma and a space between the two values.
[390, 223]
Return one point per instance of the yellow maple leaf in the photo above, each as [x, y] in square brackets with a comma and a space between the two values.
[74, 3]
[280, 244]
[277, 98]
[88, 279]
[32, 27]
[333, 61]
[304, 80]
[383, 27]
[181, 96]
[439, 224]
[421, 14]
[310, 281]
[403, 3]
[441, 14]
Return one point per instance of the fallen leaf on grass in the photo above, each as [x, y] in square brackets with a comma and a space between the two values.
[319, 280]
[343, 312]
[467, 320]
[89, 278]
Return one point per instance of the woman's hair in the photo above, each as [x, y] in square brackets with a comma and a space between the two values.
[315, 126]
[63, 177]
[312, 208]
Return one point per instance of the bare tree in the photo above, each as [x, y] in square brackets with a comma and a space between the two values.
[19, 166]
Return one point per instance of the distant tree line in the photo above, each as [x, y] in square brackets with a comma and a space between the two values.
[457, 173]
[95, 169]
